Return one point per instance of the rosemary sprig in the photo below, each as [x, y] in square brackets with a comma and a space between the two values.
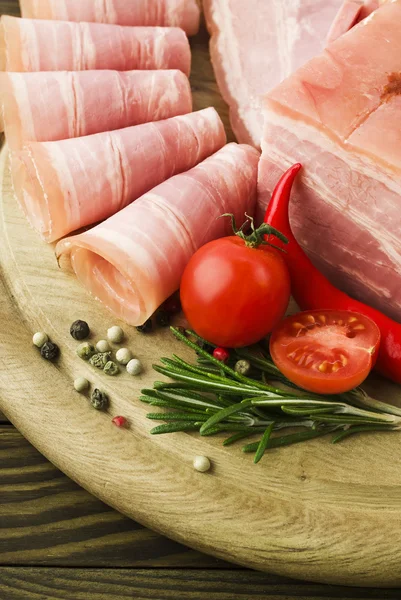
[210, 397]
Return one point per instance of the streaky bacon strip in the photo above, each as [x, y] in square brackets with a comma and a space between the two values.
[56, 105]
[68, 184]
[133, 261]
[177, 13]
[36, 45]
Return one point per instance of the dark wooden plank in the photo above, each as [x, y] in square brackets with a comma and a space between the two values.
[9, 7]
[164, 584]
[47, 519]
[3, 418]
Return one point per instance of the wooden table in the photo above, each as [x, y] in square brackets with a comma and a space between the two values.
[58, 541]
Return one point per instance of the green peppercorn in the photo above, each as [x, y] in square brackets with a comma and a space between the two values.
[79, 330]
[110, 368]
[99, 400]
[145, 327]
[50, 351]
[242, 367]
[163, 318]
[85, 350]
[100, 359]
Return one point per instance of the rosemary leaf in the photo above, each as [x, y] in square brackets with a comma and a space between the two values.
[175, 416]
[263, 444]
[286, 440]
[236, 437]
[223, 414]
[361, 429]
[173, 427]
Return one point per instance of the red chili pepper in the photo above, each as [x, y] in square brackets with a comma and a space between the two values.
[312, 290]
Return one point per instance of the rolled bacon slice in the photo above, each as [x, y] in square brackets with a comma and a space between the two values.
[133, 261]
[179, 13]
[57, 105]
[35, 45]
[68, 184]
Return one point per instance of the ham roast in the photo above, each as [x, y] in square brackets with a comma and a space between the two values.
[339, 115]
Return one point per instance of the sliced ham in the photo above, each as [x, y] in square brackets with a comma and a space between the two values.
[56, 105]
[340, 116]
[178, 13]
[35, 45]
[133, 261]
[69, 184]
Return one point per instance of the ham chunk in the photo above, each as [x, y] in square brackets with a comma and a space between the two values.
[35, 45]
[339, 115]
[255, 44]
[56, 105]
[68, 184]
[133, 261]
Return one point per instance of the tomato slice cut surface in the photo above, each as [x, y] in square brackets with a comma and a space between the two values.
[325, 351]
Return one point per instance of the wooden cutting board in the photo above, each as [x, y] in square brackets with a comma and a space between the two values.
[314, 511]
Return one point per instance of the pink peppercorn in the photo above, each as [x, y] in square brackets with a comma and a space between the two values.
[221, 354]
[119, 421]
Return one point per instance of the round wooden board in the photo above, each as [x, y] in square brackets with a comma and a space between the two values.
[314, 511]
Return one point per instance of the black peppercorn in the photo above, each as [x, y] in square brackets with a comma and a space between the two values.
[146, 327]
[163, 318]
[99, 399]
[79, 330]
[50, 351]
[204, 346]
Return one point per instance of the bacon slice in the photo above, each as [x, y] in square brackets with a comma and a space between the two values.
[35, 45]
[65, 185]
[133, 261]
[178, 13]
[339, 116]
[57, 105]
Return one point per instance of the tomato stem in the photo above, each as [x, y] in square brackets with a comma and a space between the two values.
[257, 236]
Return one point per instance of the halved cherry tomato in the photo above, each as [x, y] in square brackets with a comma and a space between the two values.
[325, 351]
[233, 294]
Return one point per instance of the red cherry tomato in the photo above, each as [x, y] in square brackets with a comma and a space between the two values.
[233, 294]
[325, 351]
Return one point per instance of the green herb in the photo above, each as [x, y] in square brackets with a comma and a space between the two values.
[212, 397]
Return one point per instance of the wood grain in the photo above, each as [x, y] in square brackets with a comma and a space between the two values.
[167, 584]
[47, 519]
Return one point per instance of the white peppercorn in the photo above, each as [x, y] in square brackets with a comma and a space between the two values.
[81, 384]
[134, 367]
[123, 355]
[102, 346]
[40, 338]
[115, 334]
[201, 464]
